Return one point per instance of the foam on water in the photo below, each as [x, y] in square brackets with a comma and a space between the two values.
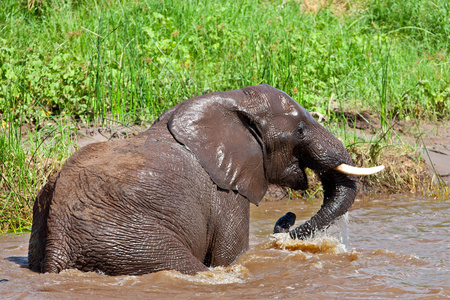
[334, 240]
[321, 244]
[217, 275]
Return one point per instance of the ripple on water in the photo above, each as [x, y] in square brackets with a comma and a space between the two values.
[397, 248]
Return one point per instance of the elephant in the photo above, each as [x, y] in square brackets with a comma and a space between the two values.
[177, 196]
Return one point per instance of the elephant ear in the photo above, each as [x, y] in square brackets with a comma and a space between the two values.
[225, 140]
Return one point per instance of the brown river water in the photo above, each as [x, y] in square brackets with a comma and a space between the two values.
[392, 247]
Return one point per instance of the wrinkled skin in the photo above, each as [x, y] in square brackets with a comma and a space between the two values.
[177, 196]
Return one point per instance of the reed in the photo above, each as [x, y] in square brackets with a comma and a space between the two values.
[28, 159]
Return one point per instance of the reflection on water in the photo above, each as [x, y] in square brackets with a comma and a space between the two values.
[396, 247]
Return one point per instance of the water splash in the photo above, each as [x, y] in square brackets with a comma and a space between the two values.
[320, 244]
[217, 275]
[334, 240]
[340, 230]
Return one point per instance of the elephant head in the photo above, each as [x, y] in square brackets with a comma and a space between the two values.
[248, 138]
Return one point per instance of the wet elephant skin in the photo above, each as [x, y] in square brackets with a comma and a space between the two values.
[178, 195]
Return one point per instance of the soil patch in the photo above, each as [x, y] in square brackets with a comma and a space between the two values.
[91, 135]
[418, 155]
[338, 7]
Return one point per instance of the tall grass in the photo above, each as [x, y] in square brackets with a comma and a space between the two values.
[130, 60]
[26, 162]
[127, 61]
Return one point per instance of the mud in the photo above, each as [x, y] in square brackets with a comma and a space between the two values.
[429, 143]
[86, 136]
[437, 142]
[409, 168]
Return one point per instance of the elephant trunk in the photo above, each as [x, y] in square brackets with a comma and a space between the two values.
[339, 195]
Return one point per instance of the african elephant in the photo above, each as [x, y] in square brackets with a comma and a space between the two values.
[178, 195]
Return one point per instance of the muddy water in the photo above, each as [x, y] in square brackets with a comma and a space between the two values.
[396, 247]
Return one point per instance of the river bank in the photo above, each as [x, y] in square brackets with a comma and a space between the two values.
[417, 157]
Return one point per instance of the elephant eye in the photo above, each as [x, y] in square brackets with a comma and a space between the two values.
[301, 128]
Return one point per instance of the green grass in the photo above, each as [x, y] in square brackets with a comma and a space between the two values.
[27, 160]
[101, 62]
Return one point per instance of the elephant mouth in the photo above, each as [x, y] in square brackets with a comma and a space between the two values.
[303, 185]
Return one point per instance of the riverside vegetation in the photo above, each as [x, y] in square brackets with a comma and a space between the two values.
[65, 64]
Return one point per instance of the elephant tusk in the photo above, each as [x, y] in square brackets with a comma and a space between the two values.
[349, 170]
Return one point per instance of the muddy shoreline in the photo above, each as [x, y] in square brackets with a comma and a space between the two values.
[431, 139]
[417, 160]
[416, 156]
